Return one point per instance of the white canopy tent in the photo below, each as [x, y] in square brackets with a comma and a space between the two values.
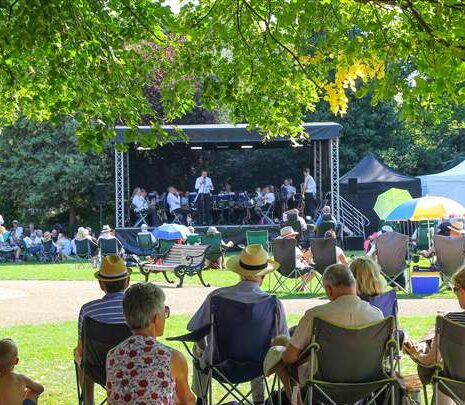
[450, 184]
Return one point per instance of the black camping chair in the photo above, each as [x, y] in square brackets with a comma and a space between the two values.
[284, 253]
[109, 247]
[324, 227]
[85, 250]
[233, 360]
[146, 246]
[324, 255]
[333, 353]
[97, 340]
[48, 252]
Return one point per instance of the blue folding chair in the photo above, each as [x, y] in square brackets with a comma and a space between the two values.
[386, 303]
[238, 339]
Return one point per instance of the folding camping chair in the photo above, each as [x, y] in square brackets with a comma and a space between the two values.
[351, 364]
[48, 252]
[324, 227]
[193, 239]
[449, 376]
[324, 255]
[284, 253]
[450, 256]
[392, 252]
[424, 236]
[258, 238]
[164, 245]
[109, 247]
[145, 244]
[215, 250]
[141, 216]
[97, 340]
[85, 250]
[231, 359]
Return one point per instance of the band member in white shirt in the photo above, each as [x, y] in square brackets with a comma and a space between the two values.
[309, 189]
[204, 187]
[140, 204]
[173, 200]
[268, 198]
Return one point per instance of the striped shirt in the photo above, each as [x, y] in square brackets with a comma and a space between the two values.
[458, 317]
[108, 309]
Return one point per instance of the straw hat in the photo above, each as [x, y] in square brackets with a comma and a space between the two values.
[212, 230]
[105, 229]
[287, 231]
[113, 268]
[457, 226]
[273, 360]
[252, 262]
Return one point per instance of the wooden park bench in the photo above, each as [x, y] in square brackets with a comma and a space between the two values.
[182, 260]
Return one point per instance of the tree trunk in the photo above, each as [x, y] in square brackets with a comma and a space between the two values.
[72, 216]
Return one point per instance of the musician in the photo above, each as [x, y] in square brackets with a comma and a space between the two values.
[204, 187]
[268, 198]
[173, 200]
[292, 191]
[309, 190]
[140, 205]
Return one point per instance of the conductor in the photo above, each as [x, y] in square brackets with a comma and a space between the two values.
[204, 187]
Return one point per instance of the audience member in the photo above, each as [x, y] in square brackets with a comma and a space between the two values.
[15, 389]
[345, 308]
[16, 230]
[433, 356]
[252, 266]
[8, 245]
[32, 241]
[303, 224]
[218, 263]
[113, 277]
[47, 237]
[141, 367]
[64, 246]
[367, 273]
[54, 234]
[453, 230]
[302, 259]
[370, 248]
[144, 230]
[326, 216]
[106, 233]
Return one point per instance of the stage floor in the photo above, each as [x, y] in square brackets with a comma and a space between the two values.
[235, 233]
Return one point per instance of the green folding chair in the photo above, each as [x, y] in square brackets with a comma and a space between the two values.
[258, 238]
[332, 354]
[164, 245]
[425, 235]
[193, 239]
[215, 250]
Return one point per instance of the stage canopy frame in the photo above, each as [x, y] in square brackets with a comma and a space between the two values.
[323, 137]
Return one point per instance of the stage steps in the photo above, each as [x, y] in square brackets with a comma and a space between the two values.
[354, 222]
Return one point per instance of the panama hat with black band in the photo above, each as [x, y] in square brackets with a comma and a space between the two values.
[113, 268]
[252, 262]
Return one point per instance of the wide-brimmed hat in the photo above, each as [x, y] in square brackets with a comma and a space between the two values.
[457, 226]
[113, 268]
[212, 230]
[287, 231]
[252, 262]
[273, 360]
[106, 228]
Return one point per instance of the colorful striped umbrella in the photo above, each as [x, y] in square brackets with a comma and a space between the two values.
[389, 200]
[426, 208]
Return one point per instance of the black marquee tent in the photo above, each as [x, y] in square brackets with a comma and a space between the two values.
[373, 178]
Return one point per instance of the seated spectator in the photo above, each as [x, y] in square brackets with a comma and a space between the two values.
[47, 237]
[141, 367]
[367, 273]
[252, 266]
[453, 230]
[433, 356]
[218, 263]
[326, 216]
[302, 259]
[54, 235]
[16, 230]
[345, 309]
[303, 224]
[83, 234]
[8, 246]
[64, 246]
[370, 248]
[106, 233]
[144, 230]
[32, 242]
[15, 389]
[113, 277]
[340, 255]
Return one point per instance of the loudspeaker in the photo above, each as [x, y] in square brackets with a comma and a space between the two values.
[100, 194]
[353, 185]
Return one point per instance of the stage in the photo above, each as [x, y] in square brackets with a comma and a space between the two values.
[235, 233]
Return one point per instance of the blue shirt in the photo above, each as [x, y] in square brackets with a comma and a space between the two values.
[108, 309]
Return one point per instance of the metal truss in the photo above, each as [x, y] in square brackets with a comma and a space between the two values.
[317, 170]
[334, 171]
[120, 176]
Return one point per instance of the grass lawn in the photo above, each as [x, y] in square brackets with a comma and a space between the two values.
[46, 352]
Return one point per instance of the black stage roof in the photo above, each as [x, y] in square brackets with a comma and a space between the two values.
[228, 134]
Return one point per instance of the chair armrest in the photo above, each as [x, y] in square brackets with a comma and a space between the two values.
[305, 355]
[193, 336]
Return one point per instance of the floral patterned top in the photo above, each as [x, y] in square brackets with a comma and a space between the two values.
[139, 373]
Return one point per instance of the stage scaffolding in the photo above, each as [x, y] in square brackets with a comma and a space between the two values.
[323, 144]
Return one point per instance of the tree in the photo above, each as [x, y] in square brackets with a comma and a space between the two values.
[267, 62]
[43, 174]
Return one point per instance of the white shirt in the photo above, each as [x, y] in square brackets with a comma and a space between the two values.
[310, 185]
[204, 185]
[269, 198]
[139, 203]
[173, 201]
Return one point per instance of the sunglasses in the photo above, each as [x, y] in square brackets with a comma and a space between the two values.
[456, 289]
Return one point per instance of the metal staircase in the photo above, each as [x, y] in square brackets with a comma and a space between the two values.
[354, 222]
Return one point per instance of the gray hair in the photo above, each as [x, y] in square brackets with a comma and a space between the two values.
[338, 275]
[140, 304]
